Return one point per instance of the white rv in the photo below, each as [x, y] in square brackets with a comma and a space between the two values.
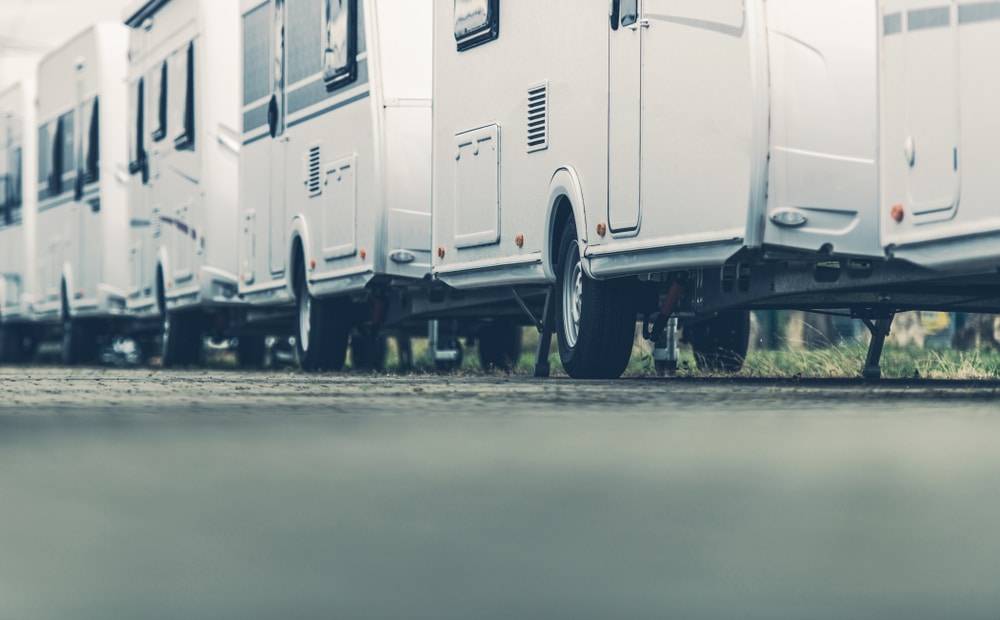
[335, 179]
[17, 219]
[81, 248]
[641, 157]
[939, 94]
[183, 135]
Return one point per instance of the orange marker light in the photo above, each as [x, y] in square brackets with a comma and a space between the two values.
[897, 213]
[602, 229]
[519, 240]
[362, 254]
[441, 252]
[312, 264]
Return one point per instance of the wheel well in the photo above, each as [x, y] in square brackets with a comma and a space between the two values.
[563, 213]
[298, 264]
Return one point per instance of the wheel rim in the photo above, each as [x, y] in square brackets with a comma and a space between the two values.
[305, 308]
[572, 296]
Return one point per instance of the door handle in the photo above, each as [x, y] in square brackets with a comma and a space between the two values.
[642, 23]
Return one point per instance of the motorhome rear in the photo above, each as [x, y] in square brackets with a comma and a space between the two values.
[617, 154]
[335, 178]
[82, 228]
[183, 134]
[17, 218]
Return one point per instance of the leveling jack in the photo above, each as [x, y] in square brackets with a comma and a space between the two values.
[879, 328]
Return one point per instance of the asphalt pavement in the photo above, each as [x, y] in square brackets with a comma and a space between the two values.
[217, 495]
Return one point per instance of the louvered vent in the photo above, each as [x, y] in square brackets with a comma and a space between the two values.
[312, 176]
[538, 117]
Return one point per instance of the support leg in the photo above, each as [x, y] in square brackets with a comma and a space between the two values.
[665, 353]
[879, 329]
[545, 335]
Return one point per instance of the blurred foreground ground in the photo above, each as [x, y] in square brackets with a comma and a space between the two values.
[212, 494]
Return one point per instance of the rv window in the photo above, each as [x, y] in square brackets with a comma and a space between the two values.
[159, 95]
[476, 22]
[340, 42]
[44, 153]
[183, 103]
[17, 180]
[5, 199]
[630, 12]
[91, 141]
[68, 154]
[10, 194]
[137, 145]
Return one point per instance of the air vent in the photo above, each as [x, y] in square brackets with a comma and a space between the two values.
[538, 117]
[313, 185]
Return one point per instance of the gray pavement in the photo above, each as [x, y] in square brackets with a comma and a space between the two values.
[210, 494]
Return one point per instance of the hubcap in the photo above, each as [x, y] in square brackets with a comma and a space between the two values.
[305, 308]
[572, 296]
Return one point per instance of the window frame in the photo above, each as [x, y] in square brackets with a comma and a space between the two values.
[488, 31]
[137, 165]
[348, 73]
[91, 164]
[160, 132]
[185, 140]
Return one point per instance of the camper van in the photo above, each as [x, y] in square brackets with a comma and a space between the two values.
[648, 156]
[17, 219]
[938, 91]
[335, 177]
[183, 136]
[81, 247]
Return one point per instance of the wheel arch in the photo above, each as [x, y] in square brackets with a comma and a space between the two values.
[565, 201]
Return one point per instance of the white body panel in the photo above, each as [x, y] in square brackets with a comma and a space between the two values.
[82, 232]
[346, 172]
[183, 197]
[939, 96]
[18, 201]
[658, 132]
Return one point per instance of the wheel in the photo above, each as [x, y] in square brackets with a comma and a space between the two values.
[595, 320]
[182, 344]
[12, 345]
[720, 343]
[369, 352]
[251, 350]
[79, 345]
[322, 329]
[500, 345]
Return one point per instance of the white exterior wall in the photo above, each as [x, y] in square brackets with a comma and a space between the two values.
[17, 129]
[84, 243]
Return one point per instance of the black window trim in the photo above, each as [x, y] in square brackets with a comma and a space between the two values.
[92, 158]
[185, 141]
[489, 31]
[161, 112]
[139, 163]
[348, 74]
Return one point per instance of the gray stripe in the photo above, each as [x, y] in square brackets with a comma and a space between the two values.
[314, 92]
[255, 117]
[725, 29]
[55, 203]
[978, 12]
[892, 24]
[338, 105]
[922, 19]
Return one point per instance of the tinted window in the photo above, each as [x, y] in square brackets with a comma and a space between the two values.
[182, 103]
[136, 126]
[91, 141]
[630, 12]
[158, 93]
[339, 42]
[476, 22]
[66, 122]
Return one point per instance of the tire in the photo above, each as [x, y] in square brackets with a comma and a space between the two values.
[11, 344]
[595, 320]
[181, 344]
[251, 351]
[322, 329]
[720, 343]
[79, 345]
[500, 345]
[369, 352]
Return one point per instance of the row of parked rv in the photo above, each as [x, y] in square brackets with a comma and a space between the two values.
[353, 168]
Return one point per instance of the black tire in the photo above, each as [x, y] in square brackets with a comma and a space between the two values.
[79, 345]
[720, 343]
[12, 345]
[369, 352]
[181, 344]
[500, 345]
[251, 351]
[595, 320]
[322, 329]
